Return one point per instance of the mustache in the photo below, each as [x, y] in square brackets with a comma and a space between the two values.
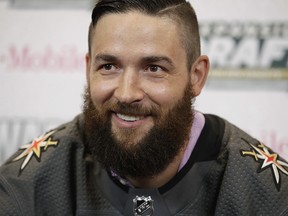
[113, 106]
[135, 109]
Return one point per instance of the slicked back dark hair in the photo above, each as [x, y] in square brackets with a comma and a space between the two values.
[179, 11]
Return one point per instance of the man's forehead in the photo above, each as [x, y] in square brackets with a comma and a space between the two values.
[134, 23]
[135, 16]
[137, 35]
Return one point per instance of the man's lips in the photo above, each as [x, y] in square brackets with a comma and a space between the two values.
[130, 121]
[129, 118]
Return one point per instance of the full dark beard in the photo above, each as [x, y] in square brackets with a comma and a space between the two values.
[153, 153]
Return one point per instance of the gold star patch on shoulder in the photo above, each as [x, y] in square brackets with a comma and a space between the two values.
[36, 148]
[267, 159]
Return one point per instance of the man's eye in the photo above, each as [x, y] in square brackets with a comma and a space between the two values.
[107, 67]
[154, 68]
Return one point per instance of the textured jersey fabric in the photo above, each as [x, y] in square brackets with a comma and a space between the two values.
[228, 173]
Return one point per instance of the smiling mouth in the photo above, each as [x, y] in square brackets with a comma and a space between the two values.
[129, 118]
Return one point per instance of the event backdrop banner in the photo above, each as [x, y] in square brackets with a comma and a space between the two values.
[42, 67]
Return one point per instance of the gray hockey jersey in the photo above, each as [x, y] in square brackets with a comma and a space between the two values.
[228, 173]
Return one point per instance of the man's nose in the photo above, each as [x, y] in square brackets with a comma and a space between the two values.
[129, 88]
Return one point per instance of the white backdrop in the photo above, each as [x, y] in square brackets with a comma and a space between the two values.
[42, 74]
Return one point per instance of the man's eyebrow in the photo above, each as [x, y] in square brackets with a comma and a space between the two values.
[155, 59]
[105, 57]
[144, 61]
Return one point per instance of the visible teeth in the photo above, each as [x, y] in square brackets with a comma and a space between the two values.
[128, 118]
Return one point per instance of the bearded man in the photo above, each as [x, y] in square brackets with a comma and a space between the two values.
[139, 147]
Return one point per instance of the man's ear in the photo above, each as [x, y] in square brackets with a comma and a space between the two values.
[199, 73]
[88, 67]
